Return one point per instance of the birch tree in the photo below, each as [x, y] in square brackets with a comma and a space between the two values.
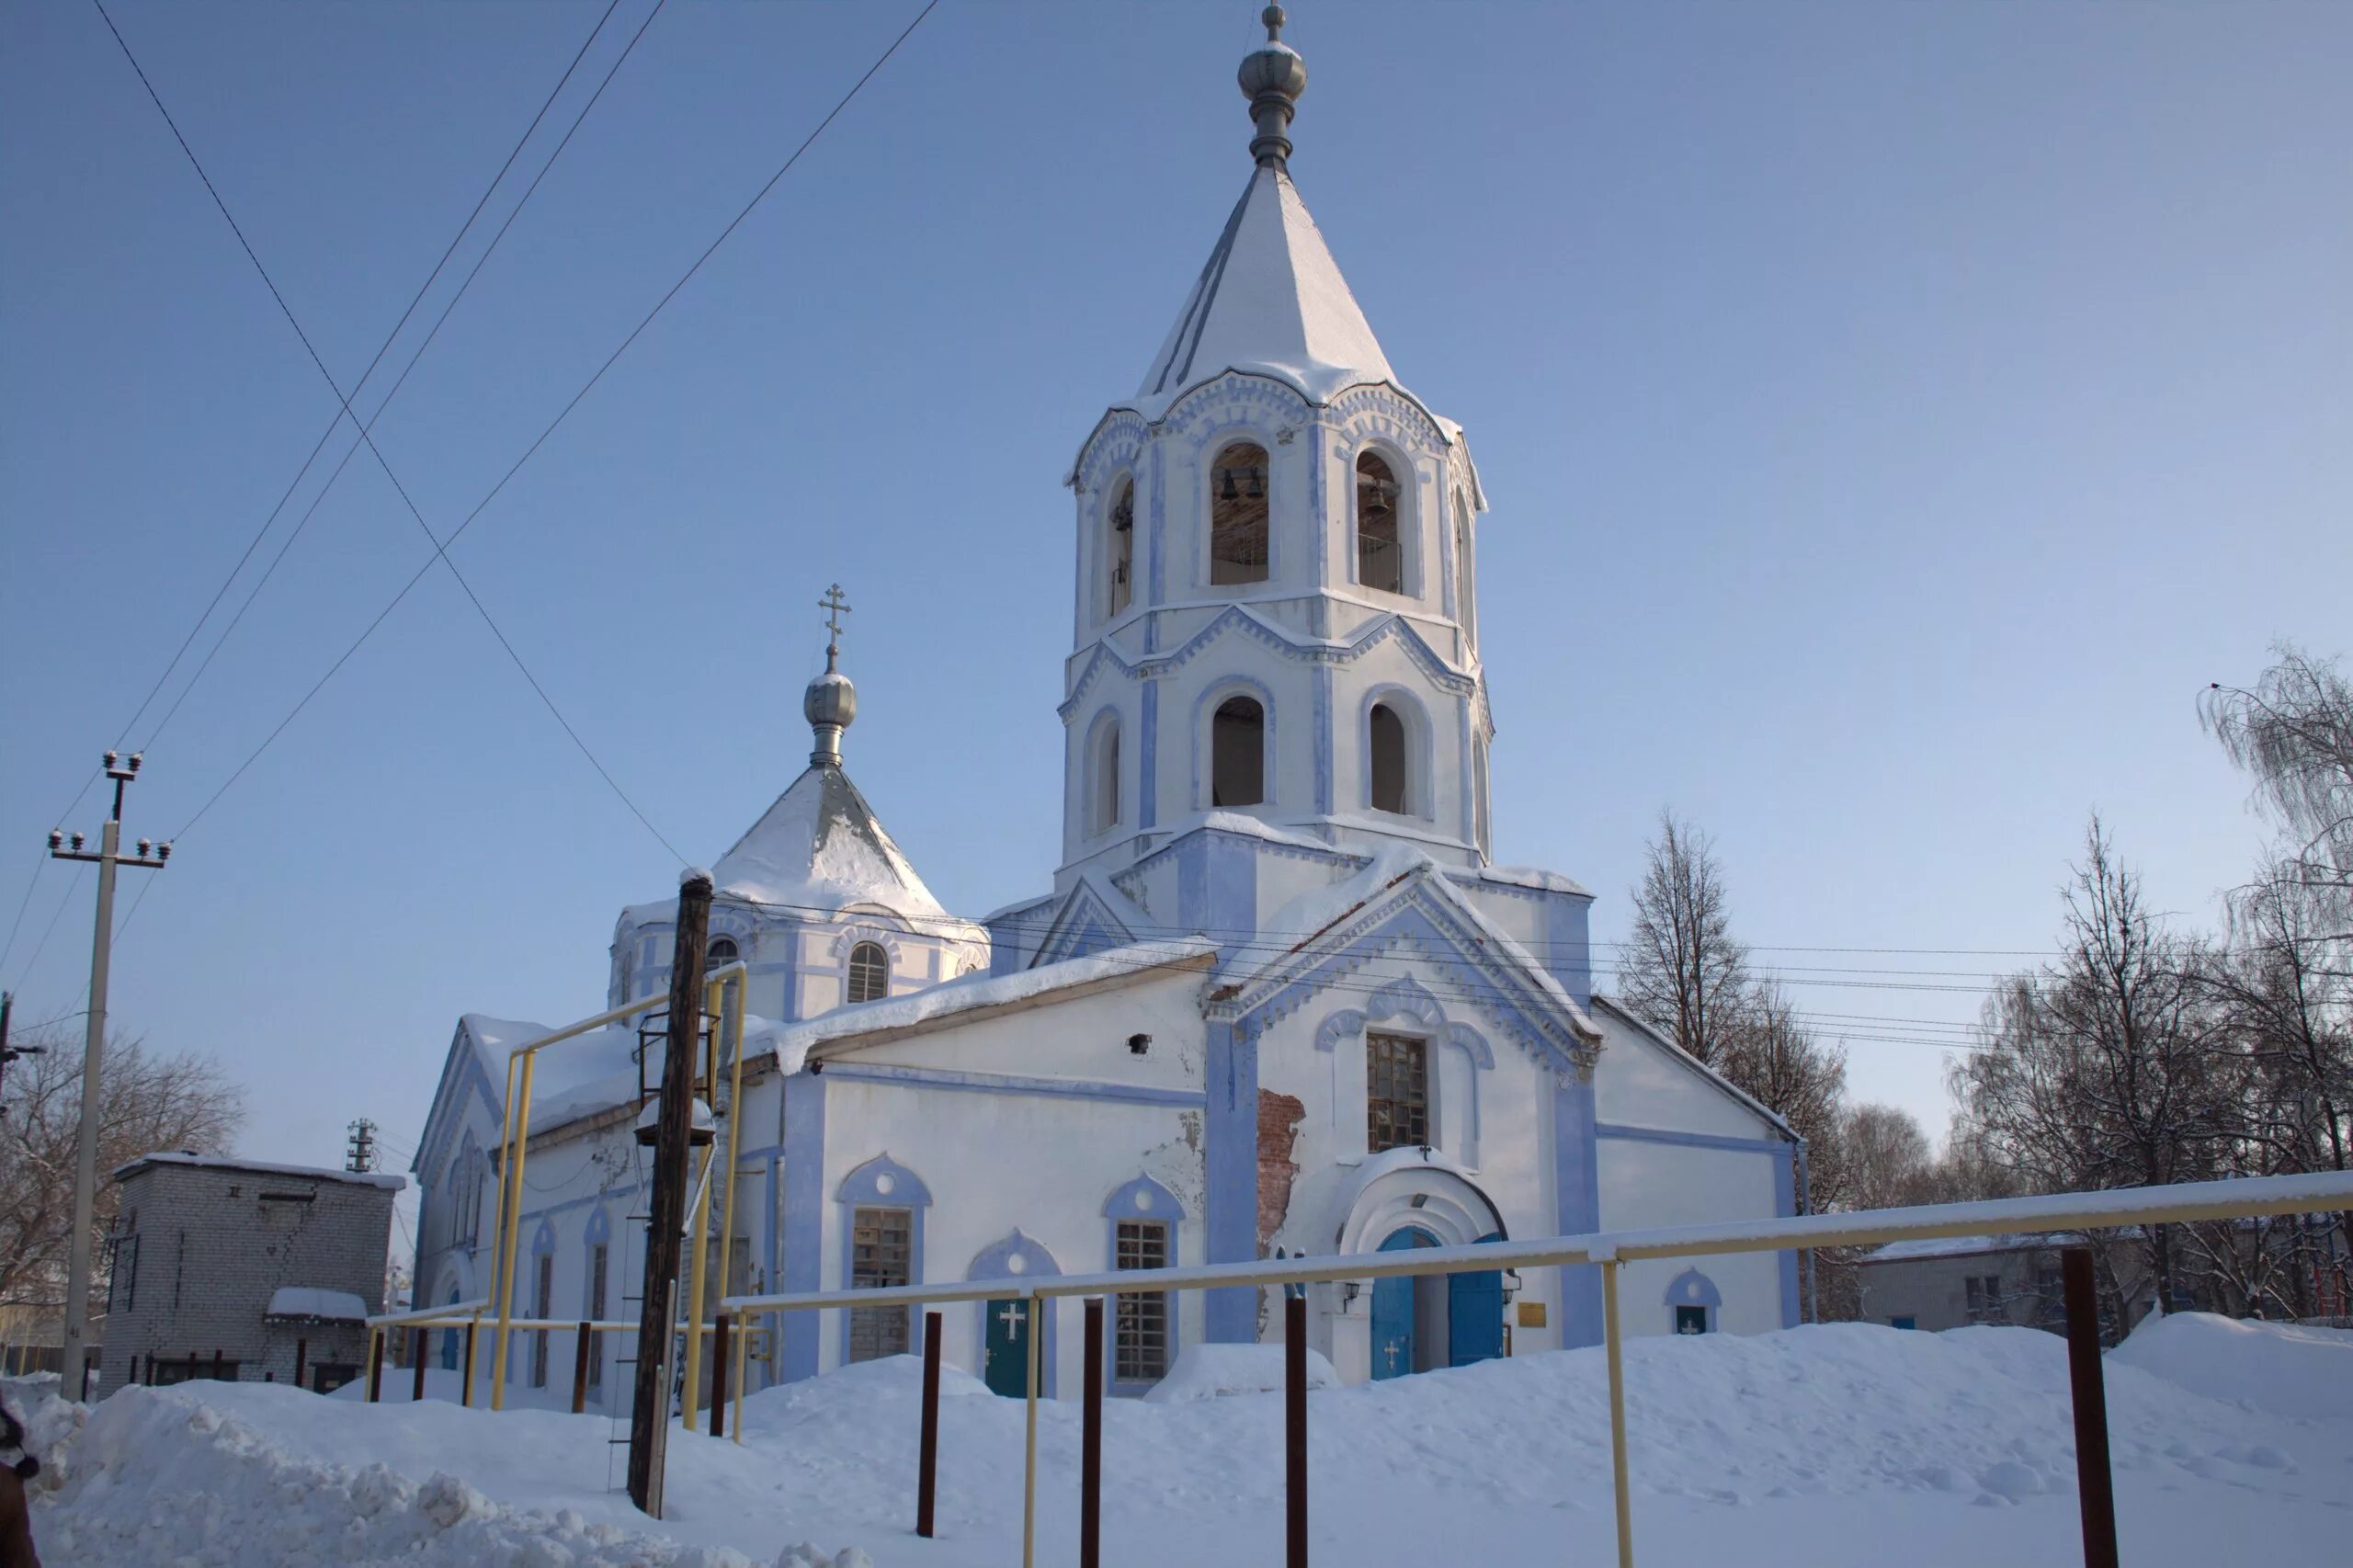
[1682, 973]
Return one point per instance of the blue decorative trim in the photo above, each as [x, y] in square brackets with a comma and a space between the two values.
[1085, 923]
[1322, 535]
[882, 1183]
[1567, 945]
[1785, 1204]
[1142, 1197]
[1010, 1083]
[1148, 761]
[995, 1262]
[1407, 997]
[1230, 1164]
[543, 1239]
[1159, 532]
[599, 1228]
[1692, 1289]
[804, 1175]
[1324, 740]
[1217, 886]
[1421, 750]
[1693, 1139]
[1577, 1200]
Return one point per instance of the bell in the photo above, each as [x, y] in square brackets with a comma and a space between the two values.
[1229, 493]
[1258, 484]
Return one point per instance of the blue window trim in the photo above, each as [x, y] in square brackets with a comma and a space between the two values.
[1013, 1084]
[1214, 697]
[992, 1263]
[864, 1187]
[1139, 1198]
[1693, 1288]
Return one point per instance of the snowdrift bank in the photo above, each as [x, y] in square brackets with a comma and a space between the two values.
[1840, 1445]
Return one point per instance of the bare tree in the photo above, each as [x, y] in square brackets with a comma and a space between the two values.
[1682, 972]
[151, 1102]
[1889, 1161]
[2294, 733]
[2108, 1068]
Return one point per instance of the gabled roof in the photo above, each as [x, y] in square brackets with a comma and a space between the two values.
[1614, 1011]
[1269, 300]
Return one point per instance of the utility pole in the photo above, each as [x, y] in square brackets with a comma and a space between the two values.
[359, 1153]
[649, 1416]
[86, 1153]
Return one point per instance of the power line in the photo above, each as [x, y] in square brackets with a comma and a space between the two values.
[441, 546]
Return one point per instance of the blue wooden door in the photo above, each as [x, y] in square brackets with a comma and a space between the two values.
[1474, 1314]
[1392, 1309]
[1006, 1353]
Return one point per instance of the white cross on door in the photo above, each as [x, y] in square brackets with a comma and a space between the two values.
[1012, 1317]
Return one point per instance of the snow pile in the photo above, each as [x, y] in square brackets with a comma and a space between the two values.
[1843, 1447]
[1214, 1371]
[2276, 1367]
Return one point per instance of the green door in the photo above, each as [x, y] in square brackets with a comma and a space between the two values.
[1006, 1353]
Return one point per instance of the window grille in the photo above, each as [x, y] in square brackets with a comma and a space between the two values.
[869, 972]
[882, 1252]
[543, 1297]
[720, 951]
[1397, 1095]
[1139, 1342]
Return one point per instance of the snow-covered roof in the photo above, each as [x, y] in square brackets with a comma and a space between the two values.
[317, 1304]
[384, 1180]
[586, 1074]
[974, 992]
[1269, 300]
[820, 848]
[1961, 1246]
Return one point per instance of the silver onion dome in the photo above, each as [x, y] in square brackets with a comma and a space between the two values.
[1272, 78]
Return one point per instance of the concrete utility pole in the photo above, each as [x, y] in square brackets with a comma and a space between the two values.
[86, 1153]
[360, 1152]
[649, 1416]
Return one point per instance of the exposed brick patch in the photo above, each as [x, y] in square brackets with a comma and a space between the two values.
[1279, 1120]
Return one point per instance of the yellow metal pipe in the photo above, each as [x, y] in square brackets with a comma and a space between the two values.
[1029, 1445]
[497, 1212]
[513, 1217]
[688, 1400]
[1617, 1412]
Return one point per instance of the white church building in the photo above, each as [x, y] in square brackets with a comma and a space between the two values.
[1279, 999]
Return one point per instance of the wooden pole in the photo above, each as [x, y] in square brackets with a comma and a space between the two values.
[1090, 1444]
[651, 1407]
[375, 1367]
[580, 1338]
[416, 1381]
[1295, 1429]
[301, 1348]
[927, 1444]
[2095, 1484]
[466, 1389]
[718, 1358]
[1616, 1351]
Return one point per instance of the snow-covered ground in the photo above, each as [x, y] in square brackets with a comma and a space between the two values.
[1819, 1447]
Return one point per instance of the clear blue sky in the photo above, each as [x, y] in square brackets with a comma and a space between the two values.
[1893, 415]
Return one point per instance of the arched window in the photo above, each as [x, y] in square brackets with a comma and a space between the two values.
[1466, 576]
[720, 951]
[1380, 551]
[1238, 752]
[1385, 758]
[1103, 792]
[1120, 548]
[1238, 515]
[869, 972]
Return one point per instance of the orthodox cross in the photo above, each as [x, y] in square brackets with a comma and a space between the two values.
[835, 607]
[1012, 1317]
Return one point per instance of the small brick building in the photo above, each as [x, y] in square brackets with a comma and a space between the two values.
[244, 1271]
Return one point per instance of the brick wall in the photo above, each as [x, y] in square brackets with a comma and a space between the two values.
[1279, 1120]
[203, 1247]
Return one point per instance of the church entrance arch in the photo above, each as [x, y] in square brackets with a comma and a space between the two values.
[1406, 1199]
[1007, 1322]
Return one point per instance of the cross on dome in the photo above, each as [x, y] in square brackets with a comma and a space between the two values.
[831, 702]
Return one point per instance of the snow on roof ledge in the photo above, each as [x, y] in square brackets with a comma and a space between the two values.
[384, 1180]
[318, 1305]
[976, 992]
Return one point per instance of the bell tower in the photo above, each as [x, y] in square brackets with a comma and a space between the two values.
[1276, 615]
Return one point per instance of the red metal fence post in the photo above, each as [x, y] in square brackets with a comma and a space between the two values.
[580, 1369]
[927, 1450]
[1090, 1445]
[302, 1348]
[1295, 1429]
[2095, 1483]
[417, 1382]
